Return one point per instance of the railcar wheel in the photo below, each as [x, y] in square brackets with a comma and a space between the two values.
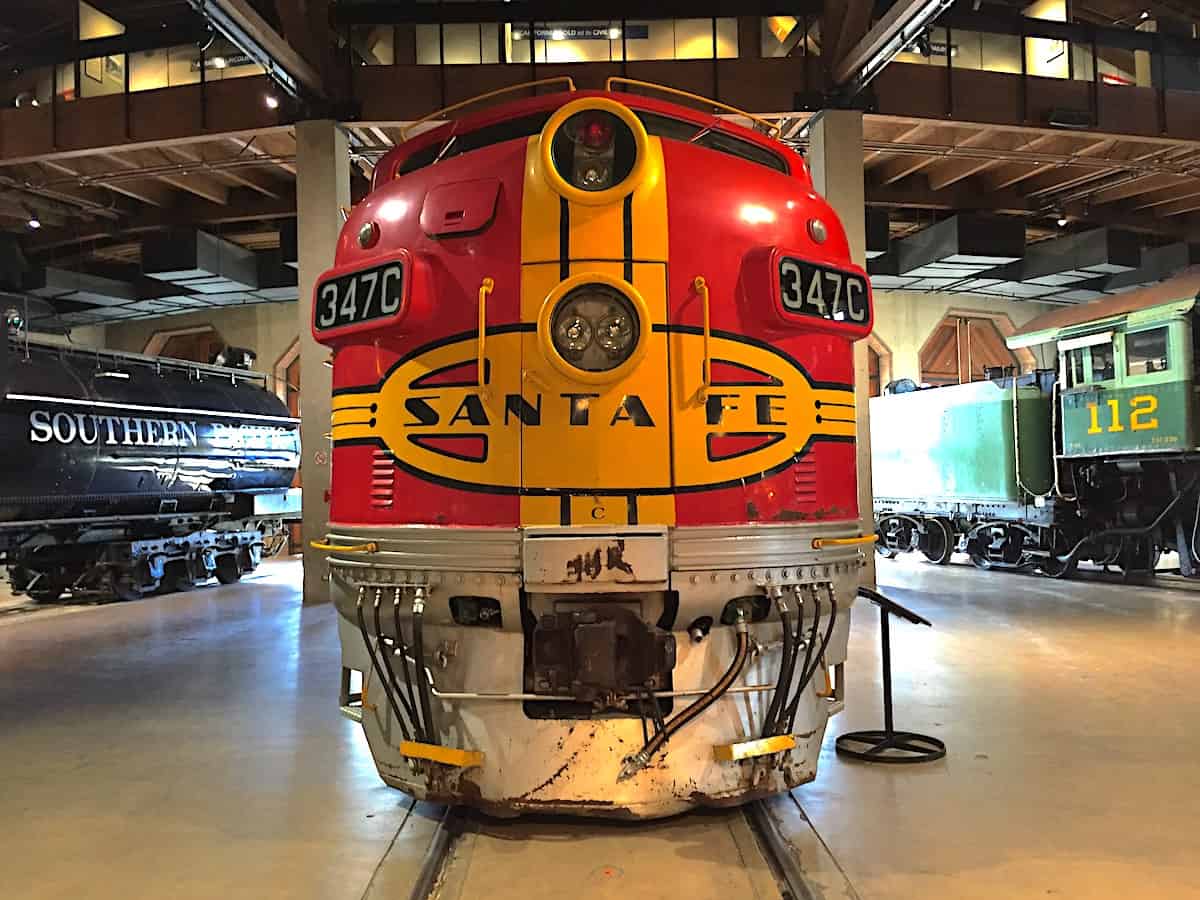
[228, 570]
[937, 543]
[126, 589]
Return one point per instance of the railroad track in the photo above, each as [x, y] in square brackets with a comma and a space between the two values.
[729, 854]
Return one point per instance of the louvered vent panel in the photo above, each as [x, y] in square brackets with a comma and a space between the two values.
[383, 480]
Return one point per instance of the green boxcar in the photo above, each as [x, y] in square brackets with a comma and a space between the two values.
[958, 443]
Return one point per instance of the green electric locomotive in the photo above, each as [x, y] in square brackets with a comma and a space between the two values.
[1098, 460]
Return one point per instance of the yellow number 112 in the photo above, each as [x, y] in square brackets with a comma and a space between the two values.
[1141, 415]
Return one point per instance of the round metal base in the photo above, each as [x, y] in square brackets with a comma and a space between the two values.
[896, 747]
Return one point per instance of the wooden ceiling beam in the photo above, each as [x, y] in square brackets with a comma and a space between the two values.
[1135, 186]
[1178, 207]
[244, 176]
[144, 190]
[203, 186]
[1184, 191]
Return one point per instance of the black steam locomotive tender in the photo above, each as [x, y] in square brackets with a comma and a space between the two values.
[122, 474]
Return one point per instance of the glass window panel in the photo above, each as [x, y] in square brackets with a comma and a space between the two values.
[1146, 352]
[490, 42]
[429, 52]
[966, 49]
[65, 81]
[167, 67]
[727, 38]
[693, 39]
[1046, 58]
[183, 65]
[149, 69]
[95, 24]
[784, 36]
[1000, 53]
[224, 60]
[1075, 367]
[1103, 366]
[102, 75]
[653, 39]
[1083, 66]
[374, 45]
[460, 44]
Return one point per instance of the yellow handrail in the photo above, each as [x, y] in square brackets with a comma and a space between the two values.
[701, 287]
[819, 543]
[368, 547]
[772, 128]
[404, 131]
[485, 288]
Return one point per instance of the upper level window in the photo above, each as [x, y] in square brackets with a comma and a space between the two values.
[601, 40]
[1146, 352]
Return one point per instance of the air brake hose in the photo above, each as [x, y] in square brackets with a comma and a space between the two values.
[806, 674]
[408, 679]
[787, 665]
[391, 673]
[418, 617]
[362, 628]
[637, 761]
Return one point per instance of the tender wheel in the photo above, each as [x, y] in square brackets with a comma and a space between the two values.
[1138, 559]
[228, 569]
[126, 589]
[937, 543]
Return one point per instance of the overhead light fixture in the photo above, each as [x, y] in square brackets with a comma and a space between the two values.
[1062, 220]
[34, 222]
[557, 34]
[219, 62]
[272, 101]
[1145, 15]
[614, 34]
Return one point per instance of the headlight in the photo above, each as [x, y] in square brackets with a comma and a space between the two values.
[594, 150]
[595, 327]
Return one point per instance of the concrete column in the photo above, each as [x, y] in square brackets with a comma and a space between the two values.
[322, 189]
[835, 157]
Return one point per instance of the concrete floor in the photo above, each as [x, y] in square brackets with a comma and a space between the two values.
[1072, 716]
[189, 746]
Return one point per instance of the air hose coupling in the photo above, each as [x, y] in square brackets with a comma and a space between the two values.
[418, 604]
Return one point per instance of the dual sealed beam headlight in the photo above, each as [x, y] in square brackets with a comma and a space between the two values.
[592, 328]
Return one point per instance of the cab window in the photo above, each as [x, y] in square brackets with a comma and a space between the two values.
[1088, 365]
[1076, 366]
[1146, 352]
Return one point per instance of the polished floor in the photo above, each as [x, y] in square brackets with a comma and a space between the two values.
[189, 746]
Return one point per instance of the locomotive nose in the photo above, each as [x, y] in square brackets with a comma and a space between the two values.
[594, 151]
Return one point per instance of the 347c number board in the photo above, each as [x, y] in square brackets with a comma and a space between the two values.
[808, 289]
[364, 296]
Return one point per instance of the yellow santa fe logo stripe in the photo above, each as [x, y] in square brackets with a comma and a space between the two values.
[453, 431]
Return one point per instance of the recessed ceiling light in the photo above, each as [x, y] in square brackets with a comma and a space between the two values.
[272, 101]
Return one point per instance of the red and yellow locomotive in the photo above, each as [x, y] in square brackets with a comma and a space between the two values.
[594, 530]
